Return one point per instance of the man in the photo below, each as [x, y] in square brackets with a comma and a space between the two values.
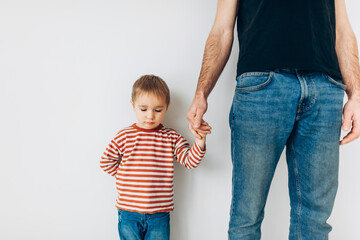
[289, 93]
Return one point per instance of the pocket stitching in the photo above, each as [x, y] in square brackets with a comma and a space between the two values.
[252, 88]
[341, 85]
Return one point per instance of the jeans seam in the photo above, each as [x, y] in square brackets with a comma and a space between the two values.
[305, 94]
[298, 110]
[313, 98]
[296, 172]
[232, 155]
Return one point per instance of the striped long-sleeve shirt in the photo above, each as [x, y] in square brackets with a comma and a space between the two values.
[142, 161]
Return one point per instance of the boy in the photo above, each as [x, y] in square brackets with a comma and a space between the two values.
[141, 157]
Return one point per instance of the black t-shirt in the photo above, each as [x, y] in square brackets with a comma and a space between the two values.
[292, 34]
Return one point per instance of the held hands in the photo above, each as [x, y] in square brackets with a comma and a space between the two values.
[203, 130]
[195, 116]
[197, 126]
[351, 120]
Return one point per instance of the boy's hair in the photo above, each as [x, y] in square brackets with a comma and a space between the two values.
[151, 84]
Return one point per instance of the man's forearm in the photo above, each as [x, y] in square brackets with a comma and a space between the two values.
[217, 52]
[348, 57]
[347, 51]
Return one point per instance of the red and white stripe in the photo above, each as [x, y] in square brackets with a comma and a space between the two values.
[142, 161]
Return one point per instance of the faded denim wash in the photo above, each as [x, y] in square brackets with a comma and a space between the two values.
[143, 226]
[299, 110]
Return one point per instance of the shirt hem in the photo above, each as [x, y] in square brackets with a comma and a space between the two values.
[148, 212]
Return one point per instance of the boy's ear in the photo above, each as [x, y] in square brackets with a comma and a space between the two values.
[132, 104]
[167, 107]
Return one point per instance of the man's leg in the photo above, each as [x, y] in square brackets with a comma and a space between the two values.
[261, 120]
[313, 156]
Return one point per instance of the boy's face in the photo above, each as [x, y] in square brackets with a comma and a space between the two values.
[150, 110]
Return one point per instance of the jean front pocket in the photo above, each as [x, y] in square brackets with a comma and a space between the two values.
[119, 214]
[338, 83]
[252, 81]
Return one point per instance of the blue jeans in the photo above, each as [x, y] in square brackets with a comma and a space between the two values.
[143, 226]
[271, 110]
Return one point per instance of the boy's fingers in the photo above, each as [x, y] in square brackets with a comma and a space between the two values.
[203, 130]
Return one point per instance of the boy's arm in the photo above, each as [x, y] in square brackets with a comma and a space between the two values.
[111, 158]
[347, 53]
[186, 156]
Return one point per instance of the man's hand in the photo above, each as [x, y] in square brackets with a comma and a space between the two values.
[195, 115]
[202, 131]
[351, 120]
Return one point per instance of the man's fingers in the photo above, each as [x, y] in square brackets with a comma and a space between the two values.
[354, 134]
[190, 115]
[205, 124]
[348, 138]
[194, 132]
[196, 112]
[197, 120]
[199, 117]
[346, 126]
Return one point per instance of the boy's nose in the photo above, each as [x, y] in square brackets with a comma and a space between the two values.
[151, 115]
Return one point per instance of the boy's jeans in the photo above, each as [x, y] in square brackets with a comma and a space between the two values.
[143, 226]
[271, 110]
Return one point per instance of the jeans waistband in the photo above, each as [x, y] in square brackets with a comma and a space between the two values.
[286, 70]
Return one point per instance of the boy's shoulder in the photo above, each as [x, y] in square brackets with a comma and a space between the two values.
[132, 130]
[167, 129]
[170, 132]
[126, 130]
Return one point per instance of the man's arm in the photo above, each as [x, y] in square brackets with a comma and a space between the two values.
[217, 52]
[347, 53]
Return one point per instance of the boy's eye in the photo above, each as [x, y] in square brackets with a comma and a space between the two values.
[158, 110]
[143, 109]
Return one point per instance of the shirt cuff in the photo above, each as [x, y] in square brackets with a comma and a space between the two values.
[198, 149]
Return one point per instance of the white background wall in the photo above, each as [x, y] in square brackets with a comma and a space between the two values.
[66, 70]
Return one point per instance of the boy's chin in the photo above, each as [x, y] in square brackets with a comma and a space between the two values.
[148, 125]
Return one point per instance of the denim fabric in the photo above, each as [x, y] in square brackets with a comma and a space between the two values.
[143, 226]
[271, 110]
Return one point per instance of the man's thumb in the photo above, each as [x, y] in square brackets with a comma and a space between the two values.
[197, 121]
